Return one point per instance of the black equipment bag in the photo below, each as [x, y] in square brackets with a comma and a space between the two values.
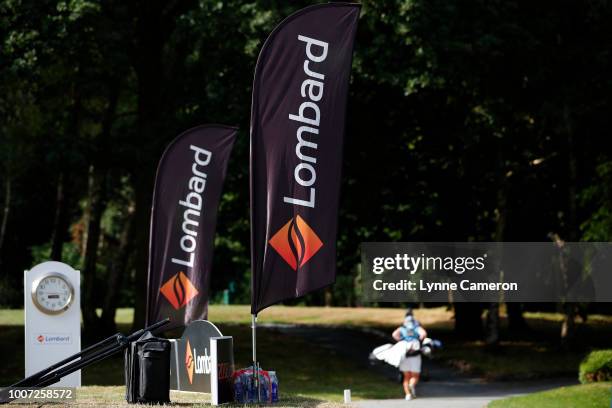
[147, 370]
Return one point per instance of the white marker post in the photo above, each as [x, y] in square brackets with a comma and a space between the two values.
[347, 396]
[52, 318]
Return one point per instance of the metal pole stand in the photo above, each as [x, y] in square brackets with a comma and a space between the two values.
[255, 363]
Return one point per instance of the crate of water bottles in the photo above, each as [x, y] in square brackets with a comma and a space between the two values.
[245, 386]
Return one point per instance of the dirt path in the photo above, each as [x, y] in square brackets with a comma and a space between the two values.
[442, 386]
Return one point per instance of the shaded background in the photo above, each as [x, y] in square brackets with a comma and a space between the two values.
[467, 121]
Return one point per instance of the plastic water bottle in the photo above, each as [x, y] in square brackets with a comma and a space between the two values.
[274, 381]
[238, 390]
[263, 389]
[251, 389]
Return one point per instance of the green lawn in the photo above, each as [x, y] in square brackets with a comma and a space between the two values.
[596, 395]
[525, 356]
[307, 371]
[513, 360]
[517, 357]
[334, 316]
[112, 396]
[314, 372]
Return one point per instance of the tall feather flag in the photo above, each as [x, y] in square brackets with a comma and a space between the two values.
[297, 127]
[187, 193]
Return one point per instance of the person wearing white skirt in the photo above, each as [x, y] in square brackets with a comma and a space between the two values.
[412, 333]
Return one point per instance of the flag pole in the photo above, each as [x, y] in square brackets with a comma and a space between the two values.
[255, 363]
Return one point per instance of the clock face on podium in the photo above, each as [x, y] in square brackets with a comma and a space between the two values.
[52, 293]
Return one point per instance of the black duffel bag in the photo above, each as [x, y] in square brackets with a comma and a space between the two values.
[147, 370]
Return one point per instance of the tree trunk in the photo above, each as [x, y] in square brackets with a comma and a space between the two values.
[96, 203]
[97, 192]
[156, 22]
[568, 324]
[6, 211]
[516, 320]
[468, 321]
[117, 269]
[148, 66]
[492, 319]
[567, 327]
[492, 325]
[572, 232]
[59, 221]
[141, 221]
[329, 297]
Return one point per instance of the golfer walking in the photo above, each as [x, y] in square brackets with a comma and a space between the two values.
[410, 364]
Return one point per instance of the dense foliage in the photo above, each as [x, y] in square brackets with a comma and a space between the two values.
[597, 366]
[468, 120]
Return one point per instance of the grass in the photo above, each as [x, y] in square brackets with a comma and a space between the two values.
[439, 318]
[511, 360]
[241, 314]
[384, 318]
[113, 396]
[307, 371]
[311, 372]
[583, 396]
[522, 356]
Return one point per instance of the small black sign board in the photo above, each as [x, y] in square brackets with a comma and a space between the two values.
[202, 360]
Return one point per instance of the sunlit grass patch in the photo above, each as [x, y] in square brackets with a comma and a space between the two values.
[577, 396]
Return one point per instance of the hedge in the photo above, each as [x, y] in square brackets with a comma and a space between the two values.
[597, 366]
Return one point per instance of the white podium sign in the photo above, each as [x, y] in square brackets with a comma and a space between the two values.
[52, 318]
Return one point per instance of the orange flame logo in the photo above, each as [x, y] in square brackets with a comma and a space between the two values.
[296, 242]
[189, 363]
[178, 290]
